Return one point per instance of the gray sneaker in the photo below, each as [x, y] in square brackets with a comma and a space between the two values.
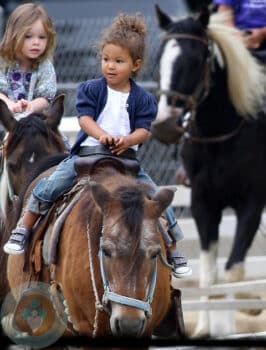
[18, 241]
[180, 268]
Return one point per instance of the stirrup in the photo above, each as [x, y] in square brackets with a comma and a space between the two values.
[17, 241]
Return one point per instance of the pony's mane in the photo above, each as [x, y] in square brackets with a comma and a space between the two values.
[27, 127]
[131, 199]
[246, 77]
[129, 194]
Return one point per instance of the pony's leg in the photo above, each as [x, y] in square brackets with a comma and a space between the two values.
[248, 220]
[247, 226]
[207, 223]
[208, 276]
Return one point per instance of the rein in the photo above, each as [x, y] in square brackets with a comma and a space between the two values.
[214, 139]
[186, 36]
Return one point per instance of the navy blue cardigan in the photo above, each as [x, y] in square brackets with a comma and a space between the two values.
[92, 97]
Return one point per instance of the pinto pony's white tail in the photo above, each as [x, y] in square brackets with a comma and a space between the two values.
[246, 76]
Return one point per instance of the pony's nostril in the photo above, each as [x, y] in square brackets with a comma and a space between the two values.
[117, 327]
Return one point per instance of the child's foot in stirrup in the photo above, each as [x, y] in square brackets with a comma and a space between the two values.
[18, 241]
[180, 269]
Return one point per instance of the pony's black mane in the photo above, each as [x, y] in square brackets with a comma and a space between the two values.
[28, 127]
[187, 25]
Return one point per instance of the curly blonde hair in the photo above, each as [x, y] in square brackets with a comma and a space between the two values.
[128, 31]
[19, 23]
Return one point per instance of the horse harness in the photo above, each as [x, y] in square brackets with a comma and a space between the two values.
[192, 101]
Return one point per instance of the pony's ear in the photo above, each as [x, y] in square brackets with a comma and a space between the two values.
[100, 195]
[163, 198]
[164, 20]
[6, 116]
[204, 16]
[56, 112]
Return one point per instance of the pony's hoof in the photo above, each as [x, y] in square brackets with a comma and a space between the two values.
[235, 274]
[250, 312]
[200, 333]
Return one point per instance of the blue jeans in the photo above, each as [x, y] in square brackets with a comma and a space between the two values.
[174, 228]
[48, 189]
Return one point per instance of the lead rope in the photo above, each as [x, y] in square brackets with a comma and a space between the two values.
[98, 304]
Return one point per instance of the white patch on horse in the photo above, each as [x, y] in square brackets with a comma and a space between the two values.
[32, 158]
[208, 275]
[148, 237]
[4, 190]
[120, 235]
[208, 266]
[170, 54]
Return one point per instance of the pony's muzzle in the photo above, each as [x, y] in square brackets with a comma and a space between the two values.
[166, 130]
[128, 326]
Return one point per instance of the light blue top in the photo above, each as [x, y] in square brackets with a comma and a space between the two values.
[17, 84]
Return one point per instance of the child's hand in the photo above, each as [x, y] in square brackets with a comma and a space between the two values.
[27, 105]
[121, 145]
[18, 107]
[107, 139]
[254, 38]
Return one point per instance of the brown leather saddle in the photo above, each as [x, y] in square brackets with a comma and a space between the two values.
[93, 156]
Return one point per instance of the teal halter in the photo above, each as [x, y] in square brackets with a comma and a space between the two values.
[124, 300]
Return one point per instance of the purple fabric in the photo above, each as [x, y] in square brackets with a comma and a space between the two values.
[248, 14]
[19, 83]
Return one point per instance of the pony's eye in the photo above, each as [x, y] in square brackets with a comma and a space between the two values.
[155, 253]
[13, 167]
[106, 253]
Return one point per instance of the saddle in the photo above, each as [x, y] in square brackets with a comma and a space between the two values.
[93, 156]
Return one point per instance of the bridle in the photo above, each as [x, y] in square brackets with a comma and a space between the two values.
[192, 101]
[108, 295]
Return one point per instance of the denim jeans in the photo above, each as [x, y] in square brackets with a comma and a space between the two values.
[48, 189]
[174, 228]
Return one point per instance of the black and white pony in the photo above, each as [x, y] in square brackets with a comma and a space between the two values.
[211, 93]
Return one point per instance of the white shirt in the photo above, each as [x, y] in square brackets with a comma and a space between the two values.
[114, 118]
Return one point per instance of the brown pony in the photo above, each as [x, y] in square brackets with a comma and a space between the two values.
[107, 267]
[29, 140]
